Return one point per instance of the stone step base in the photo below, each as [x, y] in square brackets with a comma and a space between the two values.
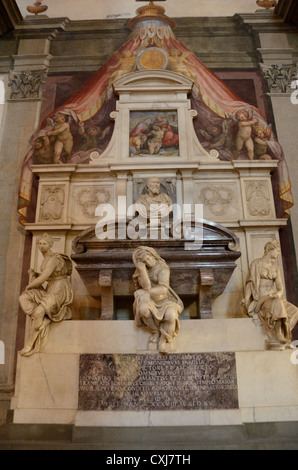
[250, 436]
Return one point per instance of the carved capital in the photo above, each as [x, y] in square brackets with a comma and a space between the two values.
[279, 77]
[26, 84]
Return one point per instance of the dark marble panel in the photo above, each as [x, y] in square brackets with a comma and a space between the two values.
[158, 382]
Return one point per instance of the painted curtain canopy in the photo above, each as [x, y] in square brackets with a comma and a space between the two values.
[82, 125]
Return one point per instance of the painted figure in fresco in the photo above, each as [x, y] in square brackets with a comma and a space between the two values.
[244, 135]
[142, 127]
[213, 100]
[264, 297]
[160, 120]
[137, 144]
[180, 64]
[63, 137]
[219, 137]
[170, 138]
[155, 138]
[125, 64]
[42, 152]
[261, 137]
[160, 134]
[156, 306]
[216, 137]
[92, 136]
[49, 304]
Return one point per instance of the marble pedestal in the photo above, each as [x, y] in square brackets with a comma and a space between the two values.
[47, 385]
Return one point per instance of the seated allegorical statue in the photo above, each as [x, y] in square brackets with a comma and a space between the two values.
[44, 305]
[264, 298]
[156, 306]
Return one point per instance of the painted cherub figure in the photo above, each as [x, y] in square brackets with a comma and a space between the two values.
[125, 64]
[215, 136]
[244, 135]
[91, 136]
[180, 63]
[42, 152]
[261, 136]
[63, 137]
[137, 144]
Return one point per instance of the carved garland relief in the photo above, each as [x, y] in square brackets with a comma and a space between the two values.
[217, 198]
[257, 198]
[52, 203]
[86, 199]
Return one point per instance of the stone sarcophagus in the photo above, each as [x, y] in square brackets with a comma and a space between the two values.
[199, 272]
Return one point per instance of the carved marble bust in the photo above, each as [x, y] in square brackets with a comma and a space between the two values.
[154, 204]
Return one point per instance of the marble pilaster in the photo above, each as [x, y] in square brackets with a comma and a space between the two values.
[22, 113]
[278, 62]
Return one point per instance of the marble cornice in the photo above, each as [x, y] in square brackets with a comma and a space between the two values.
[261, 21]
[6, 64]
[39, 28]
[240, 29]
[214, 60]
[264, 22]
[9, 16]
[43, 26]
[97, 25]
[70, 63]
[118, 27]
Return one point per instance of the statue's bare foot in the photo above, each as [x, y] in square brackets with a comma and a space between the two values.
[162, 345]
[289, 346]
[281, 338]
[26, 350]
[154, 337]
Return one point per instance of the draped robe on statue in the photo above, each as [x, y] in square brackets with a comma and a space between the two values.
[211, 98]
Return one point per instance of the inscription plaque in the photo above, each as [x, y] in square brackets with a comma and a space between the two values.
[154, 382]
